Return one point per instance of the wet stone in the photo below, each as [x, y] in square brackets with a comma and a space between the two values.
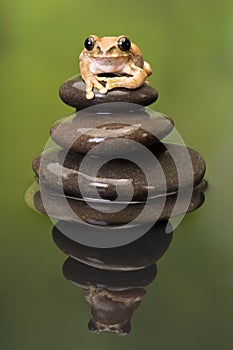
[140, 253]
[73, 93]
[85, 276]
[107, 212]
[83, 131]
[175, 167]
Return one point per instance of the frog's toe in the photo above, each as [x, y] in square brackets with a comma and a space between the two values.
[90, 95]
[103, 90]
[109, 86]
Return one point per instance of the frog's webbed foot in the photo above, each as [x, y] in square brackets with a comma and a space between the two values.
[91, 83]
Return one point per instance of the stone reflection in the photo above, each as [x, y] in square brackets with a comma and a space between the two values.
[113, 185]
[114, 279]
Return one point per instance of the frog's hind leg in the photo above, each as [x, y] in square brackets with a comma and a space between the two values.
[147, 68]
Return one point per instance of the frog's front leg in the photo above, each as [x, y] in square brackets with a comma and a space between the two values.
[137, 79]
[91, 83]
[91, 80]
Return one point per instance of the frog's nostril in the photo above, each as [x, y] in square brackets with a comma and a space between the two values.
[99, 50]
[110, 51]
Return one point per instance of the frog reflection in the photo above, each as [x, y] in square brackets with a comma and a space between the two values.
[112, 310]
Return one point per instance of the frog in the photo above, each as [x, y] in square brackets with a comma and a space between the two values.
[112, 310]
[112, 62]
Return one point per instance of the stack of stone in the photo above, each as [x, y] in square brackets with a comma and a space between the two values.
[98, 175]
[110, 132]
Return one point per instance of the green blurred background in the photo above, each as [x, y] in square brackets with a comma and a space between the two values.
[190, 47]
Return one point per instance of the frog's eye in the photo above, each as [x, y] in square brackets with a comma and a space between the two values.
[125, 329]
[89, 43]
[91, 326]
[124, 44]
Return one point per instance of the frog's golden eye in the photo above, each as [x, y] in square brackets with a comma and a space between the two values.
[124, 44]
[89, 43]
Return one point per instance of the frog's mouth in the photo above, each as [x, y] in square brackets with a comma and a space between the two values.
[109, 64]
[111, 59]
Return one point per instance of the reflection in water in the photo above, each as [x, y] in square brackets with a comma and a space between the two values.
[114, 279]
[113, 187]
[140, 253]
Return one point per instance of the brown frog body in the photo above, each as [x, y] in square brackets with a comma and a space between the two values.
[115, 55]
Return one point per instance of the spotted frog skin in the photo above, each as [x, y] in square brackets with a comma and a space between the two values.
[115, 55]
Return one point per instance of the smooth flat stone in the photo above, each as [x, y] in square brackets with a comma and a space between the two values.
[61, 172]
[73, 93]
[133, 256]
[79, 211]
[85, 276]
[82, 132]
